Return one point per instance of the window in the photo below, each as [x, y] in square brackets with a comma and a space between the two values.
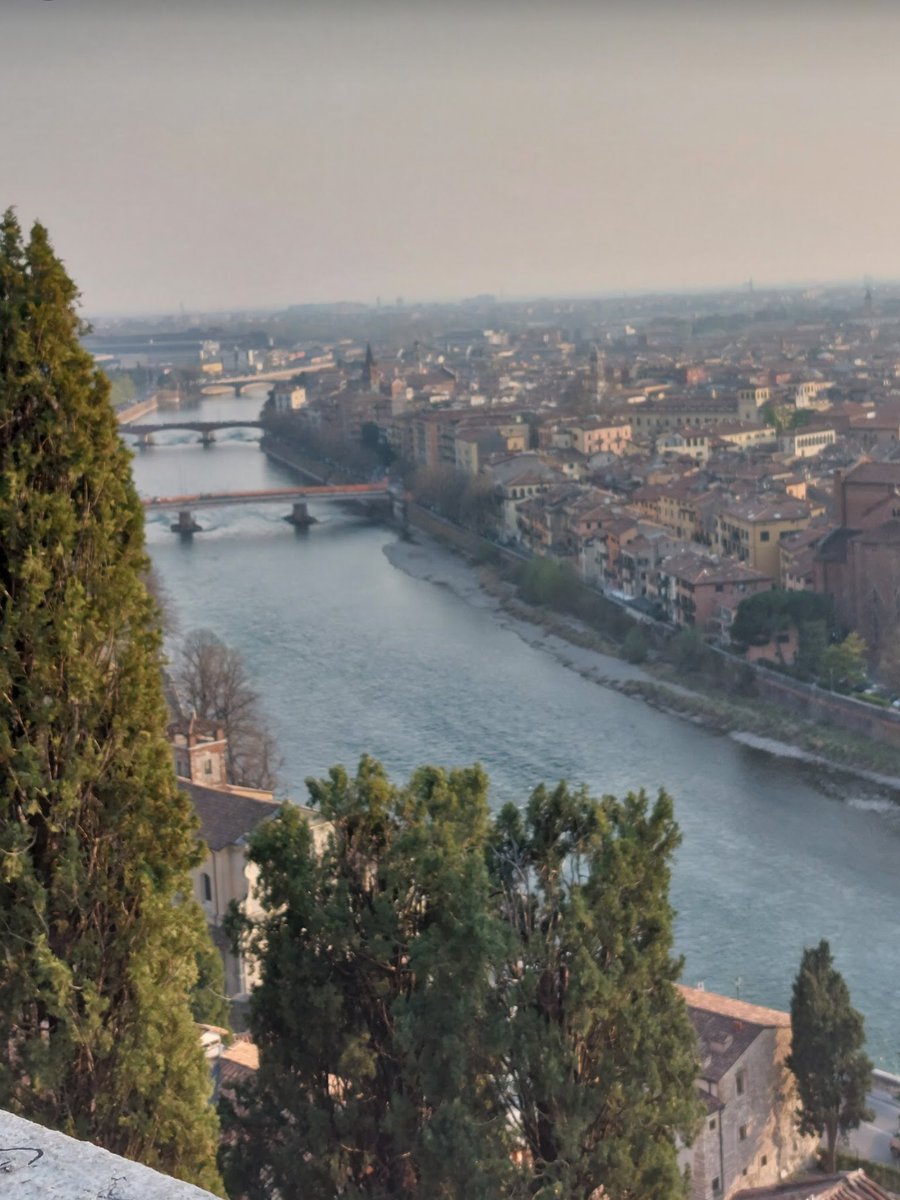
[742, 1133]
[716, 1186]
[207, 886]
[712, 1123]
[739, 1082]
[207, 766]
[764, 536]
[764, 1160]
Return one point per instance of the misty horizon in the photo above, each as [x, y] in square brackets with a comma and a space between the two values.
[256, 157]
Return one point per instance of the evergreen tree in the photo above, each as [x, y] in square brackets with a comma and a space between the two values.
[827, 1056]
[600, 1075]
[373, 1014]
[98, 946]
[452, 1007]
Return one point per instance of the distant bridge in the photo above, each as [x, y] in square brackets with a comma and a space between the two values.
[369, 493]
[144, 432]
[239, 382]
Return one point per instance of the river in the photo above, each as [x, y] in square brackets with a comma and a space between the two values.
[353, 655]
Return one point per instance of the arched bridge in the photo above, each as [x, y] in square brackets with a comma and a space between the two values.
[144, 432]
[216, 383]
[368, 493]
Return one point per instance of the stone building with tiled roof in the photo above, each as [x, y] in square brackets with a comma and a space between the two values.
[228, 815]
[749, 1136]
[692, 588]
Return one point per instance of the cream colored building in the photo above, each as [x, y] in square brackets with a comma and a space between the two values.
[747, 435]
[749, 1136]
[684, 443]
[807, 443]
[811, 393]
[751, 400]
[228, 816]
[752, 531]
[594, 437]
[287, 397]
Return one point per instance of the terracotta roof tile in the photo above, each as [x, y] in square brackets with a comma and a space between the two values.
[726, 1006]
[848, 1185]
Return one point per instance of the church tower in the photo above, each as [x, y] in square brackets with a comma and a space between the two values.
[595, 375]
[371, 375]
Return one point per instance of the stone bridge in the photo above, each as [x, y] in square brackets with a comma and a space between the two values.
[367, 493]
[144, 431]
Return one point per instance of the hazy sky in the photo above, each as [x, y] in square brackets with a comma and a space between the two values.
[222, 153]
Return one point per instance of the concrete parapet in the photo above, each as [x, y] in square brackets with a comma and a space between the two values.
[40, 1164]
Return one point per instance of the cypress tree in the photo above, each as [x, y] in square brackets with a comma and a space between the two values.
[98, 941]
[601, 1066]
[373, 1014]
[833, 1071]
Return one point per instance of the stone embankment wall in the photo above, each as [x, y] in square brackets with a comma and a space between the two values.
[807, 701]
[311, 468]
[880, 724]
[140, 408]
[455, 535]
[731, 672]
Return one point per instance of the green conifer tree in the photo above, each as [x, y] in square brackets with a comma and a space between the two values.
[373, 1015]
[98, 943]
[601, 1067]
[827, 1056]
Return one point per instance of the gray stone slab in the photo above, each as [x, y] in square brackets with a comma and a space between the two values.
[40, 1164]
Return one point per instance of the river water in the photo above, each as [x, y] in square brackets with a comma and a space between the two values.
[353, 655]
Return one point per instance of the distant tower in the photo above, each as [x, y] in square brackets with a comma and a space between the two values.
[595, 377]
[371, 376]
[867, 301]
[201, 752]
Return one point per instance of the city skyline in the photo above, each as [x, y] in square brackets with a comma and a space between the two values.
[250, 158]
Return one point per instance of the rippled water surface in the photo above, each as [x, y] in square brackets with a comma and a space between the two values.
[353, 655]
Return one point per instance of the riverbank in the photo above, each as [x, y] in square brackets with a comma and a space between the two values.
[307, 466]
[753, 723]
[766, 724]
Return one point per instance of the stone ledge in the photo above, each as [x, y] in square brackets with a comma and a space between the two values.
[40, 1164]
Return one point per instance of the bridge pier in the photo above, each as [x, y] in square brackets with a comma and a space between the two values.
[401, 514]
[186, 526]
[145, 439]
[299, 516]
[207, 437]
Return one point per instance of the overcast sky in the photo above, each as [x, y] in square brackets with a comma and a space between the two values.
[224, 153]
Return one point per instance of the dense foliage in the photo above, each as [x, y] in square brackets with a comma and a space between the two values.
[761, 617]
[599, 1074]
[827, 1056]
[457, 1007]
[98, 946]
[764, 614]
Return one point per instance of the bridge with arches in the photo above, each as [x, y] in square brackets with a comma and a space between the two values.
[144, 431]
[217, 383]
[370, 494]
